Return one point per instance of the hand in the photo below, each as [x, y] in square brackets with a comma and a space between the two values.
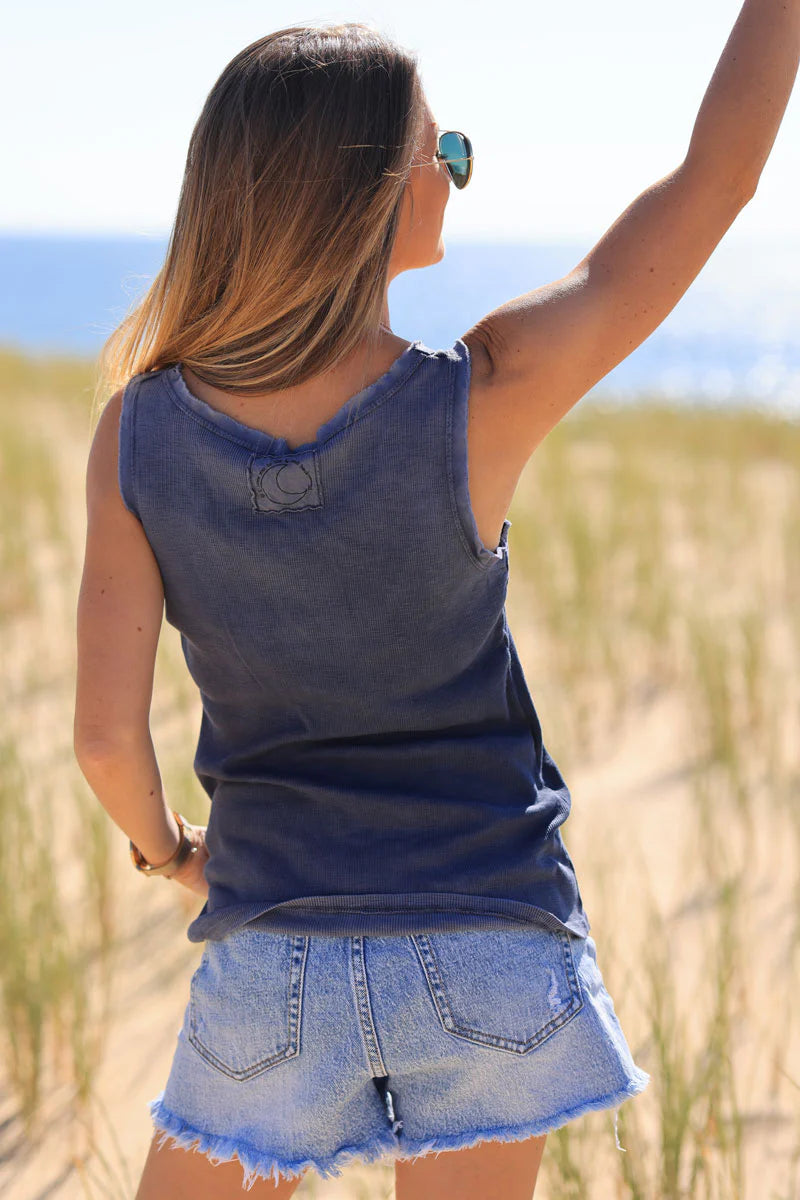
[190, 874]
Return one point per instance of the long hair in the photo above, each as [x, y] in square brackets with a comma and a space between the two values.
[277, 262]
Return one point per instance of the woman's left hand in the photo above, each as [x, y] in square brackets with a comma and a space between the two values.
[190, 873]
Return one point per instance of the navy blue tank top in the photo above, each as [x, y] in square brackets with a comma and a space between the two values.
[368, 742]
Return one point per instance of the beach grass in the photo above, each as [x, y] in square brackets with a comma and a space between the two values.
[654, 598]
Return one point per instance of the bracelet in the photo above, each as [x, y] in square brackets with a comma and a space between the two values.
[183, 852]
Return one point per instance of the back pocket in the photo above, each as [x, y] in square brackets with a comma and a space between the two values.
[510, 989]
[245, 1001]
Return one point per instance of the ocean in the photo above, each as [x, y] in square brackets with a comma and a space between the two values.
[733, 339]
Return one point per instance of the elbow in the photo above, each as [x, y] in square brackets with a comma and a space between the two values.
[747, 191]
[91, 754]
[738, 186]
[94, 747]
[90, 750]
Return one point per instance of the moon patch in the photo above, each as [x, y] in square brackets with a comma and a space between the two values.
[284, 484]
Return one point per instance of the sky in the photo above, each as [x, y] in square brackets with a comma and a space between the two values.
[573, 109]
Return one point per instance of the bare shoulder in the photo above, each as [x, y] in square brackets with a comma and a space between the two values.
[495, 460]
[535, 356]
[104, 452]
[521, 379]
[106, 506]
[480, 359]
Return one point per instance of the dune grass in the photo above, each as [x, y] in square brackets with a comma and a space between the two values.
[655, 586]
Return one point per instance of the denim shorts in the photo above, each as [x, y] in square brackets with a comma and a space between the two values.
[305, 1051]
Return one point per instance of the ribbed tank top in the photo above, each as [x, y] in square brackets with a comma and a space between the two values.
[372, 754]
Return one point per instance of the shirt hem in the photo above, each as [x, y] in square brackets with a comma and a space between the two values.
[382, 915]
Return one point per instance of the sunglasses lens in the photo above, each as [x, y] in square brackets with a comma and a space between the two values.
[457, 153]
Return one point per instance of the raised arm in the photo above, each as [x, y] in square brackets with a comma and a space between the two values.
[540, 352]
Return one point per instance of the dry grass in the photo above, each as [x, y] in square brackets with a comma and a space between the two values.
[655, 602]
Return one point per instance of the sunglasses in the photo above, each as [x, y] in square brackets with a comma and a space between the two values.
[455, 151]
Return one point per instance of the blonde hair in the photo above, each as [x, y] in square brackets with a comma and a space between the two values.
[277, 262]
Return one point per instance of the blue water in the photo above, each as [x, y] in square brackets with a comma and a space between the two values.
[733, 338]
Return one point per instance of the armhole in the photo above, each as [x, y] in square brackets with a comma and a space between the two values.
[127, 447]
[458, 463]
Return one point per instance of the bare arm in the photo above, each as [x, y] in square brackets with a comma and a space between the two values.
[741, 112]
[118, 625]
[541, 351]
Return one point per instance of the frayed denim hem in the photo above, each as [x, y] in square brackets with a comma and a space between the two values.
[513, 1133]
[255, 1163]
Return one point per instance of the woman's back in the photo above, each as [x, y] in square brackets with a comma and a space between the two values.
[296, 414]
[373, 756]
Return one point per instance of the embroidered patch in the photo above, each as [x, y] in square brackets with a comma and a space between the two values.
[284, 484]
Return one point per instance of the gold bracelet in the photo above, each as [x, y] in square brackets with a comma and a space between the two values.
[184, 851]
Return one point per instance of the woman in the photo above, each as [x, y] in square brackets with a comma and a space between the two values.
[397, 960]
